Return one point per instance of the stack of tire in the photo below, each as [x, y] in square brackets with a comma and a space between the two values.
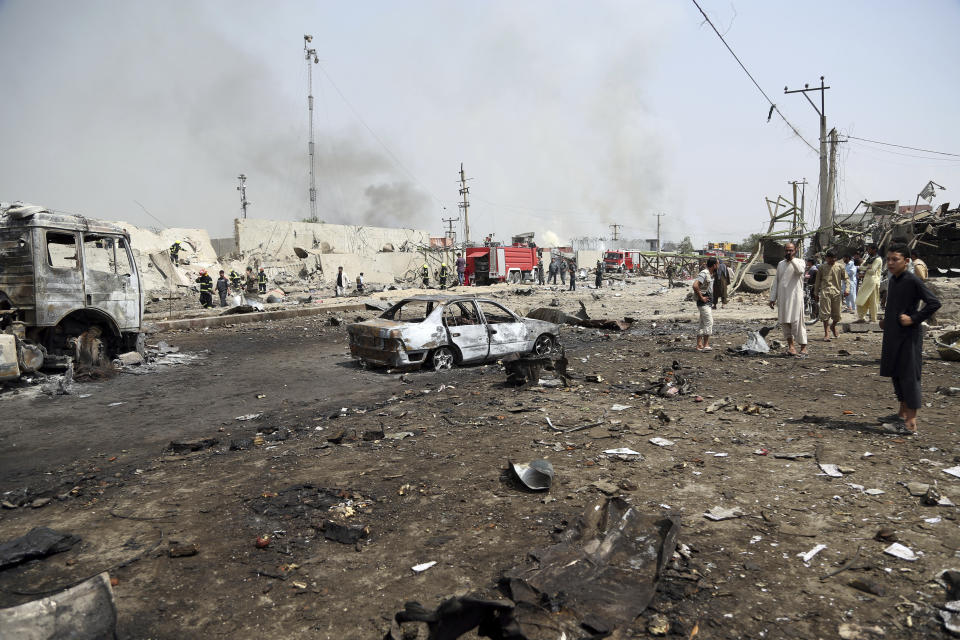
[759, 278]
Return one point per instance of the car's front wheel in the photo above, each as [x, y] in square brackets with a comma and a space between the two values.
[544, 345]
[442, 359]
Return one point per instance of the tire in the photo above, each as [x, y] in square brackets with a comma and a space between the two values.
[442, 359]
[544, 344]
[759, 278]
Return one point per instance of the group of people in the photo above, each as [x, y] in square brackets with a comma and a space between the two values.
[908, 304]
[252, 283]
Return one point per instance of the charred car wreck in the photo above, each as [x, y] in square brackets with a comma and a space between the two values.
[440, 331]
[69, 288]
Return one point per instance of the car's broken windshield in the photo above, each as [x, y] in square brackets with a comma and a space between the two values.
[409, 311]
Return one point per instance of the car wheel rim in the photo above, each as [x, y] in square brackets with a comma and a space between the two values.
[443, 360]
[543, 345]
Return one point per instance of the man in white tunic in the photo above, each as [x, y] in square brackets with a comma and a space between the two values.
[868, 297]
[787, 294]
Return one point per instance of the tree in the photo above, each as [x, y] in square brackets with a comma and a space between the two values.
[685, 246]
[750, 243]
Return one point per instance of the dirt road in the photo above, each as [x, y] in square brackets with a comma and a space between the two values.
[441, 493]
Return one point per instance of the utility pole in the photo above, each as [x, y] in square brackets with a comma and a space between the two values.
[832, 181]
[799, 220]
[616, 230]
[310, 55]
[659, 215]
[451, 234]
[243, 194]
[826, 217]
[465, 205]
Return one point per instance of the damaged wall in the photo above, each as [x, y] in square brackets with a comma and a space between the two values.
[278, 238]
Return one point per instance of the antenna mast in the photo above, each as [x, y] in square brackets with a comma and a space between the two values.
[310, 55]
[243, 194]
[465, 205]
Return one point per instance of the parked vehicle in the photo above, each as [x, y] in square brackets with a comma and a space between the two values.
[440, 331]
[621, 261]
[489, 265]
[69, 287]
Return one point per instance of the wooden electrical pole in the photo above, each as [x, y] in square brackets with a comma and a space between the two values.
[616, 229]
[659, 215]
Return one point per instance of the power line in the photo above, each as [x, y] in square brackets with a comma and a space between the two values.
[773, 106]
[901, 146]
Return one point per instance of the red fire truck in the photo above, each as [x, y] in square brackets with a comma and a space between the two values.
[489, 265]
[621, 260]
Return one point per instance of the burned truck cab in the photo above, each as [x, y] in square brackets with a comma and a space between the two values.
[69, 286]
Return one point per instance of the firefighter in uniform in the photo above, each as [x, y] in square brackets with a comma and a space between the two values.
[425, 275]
[175, 253]
[443, 275]
[262, 281]
[206, 289]
[236, 280]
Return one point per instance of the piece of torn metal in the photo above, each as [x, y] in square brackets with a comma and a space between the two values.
[831, 470]
[84, 612]
[536, 476]
[623, 451]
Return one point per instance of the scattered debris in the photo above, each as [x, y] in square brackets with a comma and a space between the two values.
[623, 451]
[84, 612]
[954, 471]
[420, 568]
[661, 442]
[536, 476]
[723, 513]
[808, 556]
[39, 542]
[851, 631]
[344, 533]
[899, 551]
[719, 404]
[182, 550]
[831, 470]
[249, 416]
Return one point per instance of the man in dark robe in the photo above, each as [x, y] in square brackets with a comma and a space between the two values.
[900, 356]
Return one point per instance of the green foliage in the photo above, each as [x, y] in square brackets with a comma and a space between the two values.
[750, 243]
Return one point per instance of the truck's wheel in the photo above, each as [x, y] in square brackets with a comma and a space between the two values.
[442, 359]
[759, 277]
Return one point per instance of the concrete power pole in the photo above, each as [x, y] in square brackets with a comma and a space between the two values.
[616, 230]
[465, 205]
[311, 55]
[832, 177]
[826, 212]
[659, 215]
[243, 194]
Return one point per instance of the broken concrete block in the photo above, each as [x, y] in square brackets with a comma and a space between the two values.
[130, 359]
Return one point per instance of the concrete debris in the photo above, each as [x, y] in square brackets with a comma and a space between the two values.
[130, 359]
[723, 513]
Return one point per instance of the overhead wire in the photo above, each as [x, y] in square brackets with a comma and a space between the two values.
[902, 146]
[773, 106]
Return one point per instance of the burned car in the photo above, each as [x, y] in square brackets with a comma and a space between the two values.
[440, 331]
[69, 290]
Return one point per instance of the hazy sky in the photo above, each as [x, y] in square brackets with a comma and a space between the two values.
[569, 116]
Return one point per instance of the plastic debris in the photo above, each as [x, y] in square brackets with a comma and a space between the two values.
[899, 551]
[623, 407]
[723, 513]
[661, 442]
[623, 451]
[808, 556]
[420, 568]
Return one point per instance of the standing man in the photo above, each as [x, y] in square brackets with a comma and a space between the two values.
[206, 289]
[787, 295]
[425, 275]
[572, 268]
[251, 281]
[900, 355]
[341, 282]
[443, 275]
[539, 270]
[360, 283]
[236, 280]
[461, 269]
[671, 273]
[850, 299]
[175, 253]
[553, 270]
[830, 287]
[563, 271]
[599, 279]
[222, 285]
[262, 281]
[919, 266]
[720, 282]
[702, 292]
[868, 298]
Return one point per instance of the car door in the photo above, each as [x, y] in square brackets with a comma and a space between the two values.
[507, 333]
[59, 278]
[467, 330]
[108, 280]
